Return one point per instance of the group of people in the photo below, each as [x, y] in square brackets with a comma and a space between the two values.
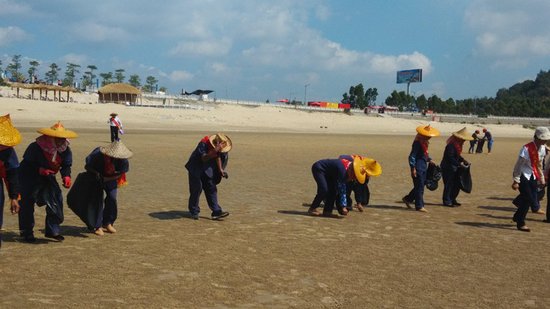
[33, 180]
[477, 142]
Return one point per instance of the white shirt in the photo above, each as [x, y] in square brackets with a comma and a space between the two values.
[117, 120]
[523, 164]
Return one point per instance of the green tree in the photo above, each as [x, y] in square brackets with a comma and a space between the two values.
[14, 68]
[106, 78]
[89, 76]
[32, 71]
[134, 80]
[70, 74]
[53, 74]
[119, 75]
[150, 83]
[370, 96]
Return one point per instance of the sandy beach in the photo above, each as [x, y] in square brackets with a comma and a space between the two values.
[269, 253]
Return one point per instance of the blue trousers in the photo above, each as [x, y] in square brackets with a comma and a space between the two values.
[26, 217]
[326, 190]
[196, 186]
[109, 212]
[527, 198]
[417, 192]
[114, 133]
[450, 186]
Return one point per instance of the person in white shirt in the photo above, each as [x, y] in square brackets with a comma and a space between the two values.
[528, 175]
[116, 127]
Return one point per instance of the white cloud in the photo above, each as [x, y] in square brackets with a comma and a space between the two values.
[177, 76]
[81, 60]
[208, 48]
[98, 32]
[8, 7]
[10, 35]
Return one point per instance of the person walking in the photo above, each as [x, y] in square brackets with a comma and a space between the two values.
[418, 163]
[450, 166]
[42, 160]
[489, 138]
[116, 127]
[206, 168]
[9, 137]
[528, 174]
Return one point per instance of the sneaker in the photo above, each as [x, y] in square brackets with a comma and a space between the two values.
[219, 215]
[195, 216]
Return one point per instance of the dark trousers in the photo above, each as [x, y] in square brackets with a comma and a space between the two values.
[326, 190]
[527, 198]
[417, 192]
[472, 146]
[26, 217]
[196, 186]
[2, 200]
[114, 133]
[361, 193]
[450, 186]
[109, 212]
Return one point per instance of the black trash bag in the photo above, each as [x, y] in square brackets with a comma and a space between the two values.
[433, 175]
[465, 178]
[85, 198]
[48, 193]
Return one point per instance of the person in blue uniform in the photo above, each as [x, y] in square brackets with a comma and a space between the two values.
[489, 138]
[418, 163]
[450, 164]
[528, 175]
[206, 168]
[9, 137]
[360, 191]
[332, 177]
[43, 159]
[110, 165]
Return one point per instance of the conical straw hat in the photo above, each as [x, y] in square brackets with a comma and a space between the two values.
[224, 138]
[427, 131]
[116, 150]
[58, 130]
[9, 135]
[365, 167]
[463, 134]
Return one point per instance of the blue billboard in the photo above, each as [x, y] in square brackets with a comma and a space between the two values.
[409, 76]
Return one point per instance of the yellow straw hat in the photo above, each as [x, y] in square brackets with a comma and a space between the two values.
[428, 131]
[365, 167]
[58, 130]
[116, 150]
[9, 135]
[463, 134]
[223, 138]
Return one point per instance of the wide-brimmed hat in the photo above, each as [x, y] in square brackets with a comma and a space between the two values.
[116, 150]
[9, 135]
[113, 114]
[427, 131]
[221, 137]
[463, 134]
[58, 130]
[365, 167]
[542, 133]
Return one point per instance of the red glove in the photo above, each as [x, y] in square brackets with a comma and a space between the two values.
[67, 182]
[45, 172]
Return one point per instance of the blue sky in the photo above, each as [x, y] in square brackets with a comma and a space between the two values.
[268, 50]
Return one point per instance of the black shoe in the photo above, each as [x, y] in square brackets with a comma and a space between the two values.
[455, 203]
[448, 205]
[56, 237]
[219, 215]
[195, 216]
[29, 238]
[407, 202]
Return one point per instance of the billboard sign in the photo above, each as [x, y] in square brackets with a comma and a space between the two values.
[409, 76]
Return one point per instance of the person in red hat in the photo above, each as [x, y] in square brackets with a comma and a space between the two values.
[43, 159]
[418, 162]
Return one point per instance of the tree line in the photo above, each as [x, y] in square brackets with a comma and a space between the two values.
[530, 98]
[88, 78]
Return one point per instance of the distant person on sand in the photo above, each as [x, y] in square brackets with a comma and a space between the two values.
[42, 160]
[116, 126]
[418, 163]
[489, 138]
[332, 177]
[451, 164]
[9, 137]
[473, 141]
[361, 191]
[206, 168]
[528, 174]
[110, 165]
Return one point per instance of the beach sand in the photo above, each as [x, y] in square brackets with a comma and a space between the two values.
[268, 253]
